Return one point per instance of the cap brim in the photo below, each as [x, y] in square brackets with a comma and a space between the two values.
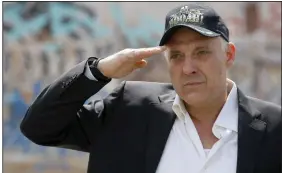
[203, 31]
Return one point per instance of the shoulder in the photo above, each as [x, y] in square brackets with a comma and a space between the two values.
[148, 90]
[270, 112]
[154, 86]
[265, 106]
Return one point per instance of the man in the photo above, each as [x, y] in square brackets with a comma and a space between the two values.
[202, 122]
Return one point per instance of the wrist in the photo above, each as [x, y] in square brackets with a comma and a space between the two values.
[97, 69]
[100, 67]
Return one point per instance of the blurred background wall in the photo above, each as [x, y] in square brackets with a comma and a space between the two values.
[41, 40]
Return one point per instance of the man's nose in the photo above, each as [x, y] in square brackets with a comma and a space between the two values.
[189, 66]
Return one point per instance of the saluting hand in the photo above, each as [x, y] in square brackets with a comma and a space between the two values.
[126, 61]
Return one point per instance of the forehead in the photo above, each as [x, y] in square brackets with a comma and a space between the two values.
[187, 36]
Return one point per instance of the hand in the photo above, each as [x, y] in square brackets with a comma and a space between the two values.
[126, 61]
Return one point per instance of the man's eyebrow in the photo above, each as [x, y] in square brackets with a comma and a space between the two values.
[175, 51]
[201, 47]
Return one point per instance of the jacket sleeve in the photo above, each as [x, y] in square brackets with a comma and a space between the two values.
[58, 116]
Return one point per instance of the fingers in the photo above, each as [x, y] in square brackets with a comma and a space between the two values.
[148, 52]
[141, 64]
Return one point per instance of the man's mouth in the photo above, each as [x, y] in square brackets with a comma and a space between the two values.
[193, 83]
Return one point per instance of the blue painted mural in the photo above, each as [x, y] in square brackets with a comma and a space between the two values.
[147, 26]
[60, 18]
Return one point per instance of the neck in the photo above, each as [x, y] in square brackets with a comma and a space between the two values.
[208, 112]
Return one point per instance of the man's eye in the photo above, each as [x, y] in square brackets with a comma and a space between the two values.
[202, 52]
[174, 56]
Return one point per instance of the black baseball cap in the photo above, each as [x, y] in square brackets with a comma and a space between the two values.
[200, 18]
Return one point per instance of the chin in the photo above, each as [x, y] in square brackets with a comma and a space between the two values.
[193, 98]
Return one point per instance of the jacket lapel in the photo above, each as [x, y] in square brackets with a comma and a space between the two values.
[251, 128]
[159, 125]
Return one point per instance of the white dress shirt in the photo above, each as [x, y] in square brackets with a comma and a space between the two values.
[184, 152]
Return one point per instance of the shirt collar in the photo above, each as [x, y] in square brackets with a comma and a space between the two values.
[227, 118]
[179, 108]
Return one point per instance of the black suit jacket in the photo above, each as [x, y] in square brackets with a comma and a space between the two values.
[127, 131]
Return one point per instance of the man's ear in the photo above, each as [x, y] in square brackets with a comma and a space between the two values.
[230, 54]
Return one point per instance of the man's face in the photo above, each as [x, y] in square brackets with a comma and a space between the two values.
[197, 66]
